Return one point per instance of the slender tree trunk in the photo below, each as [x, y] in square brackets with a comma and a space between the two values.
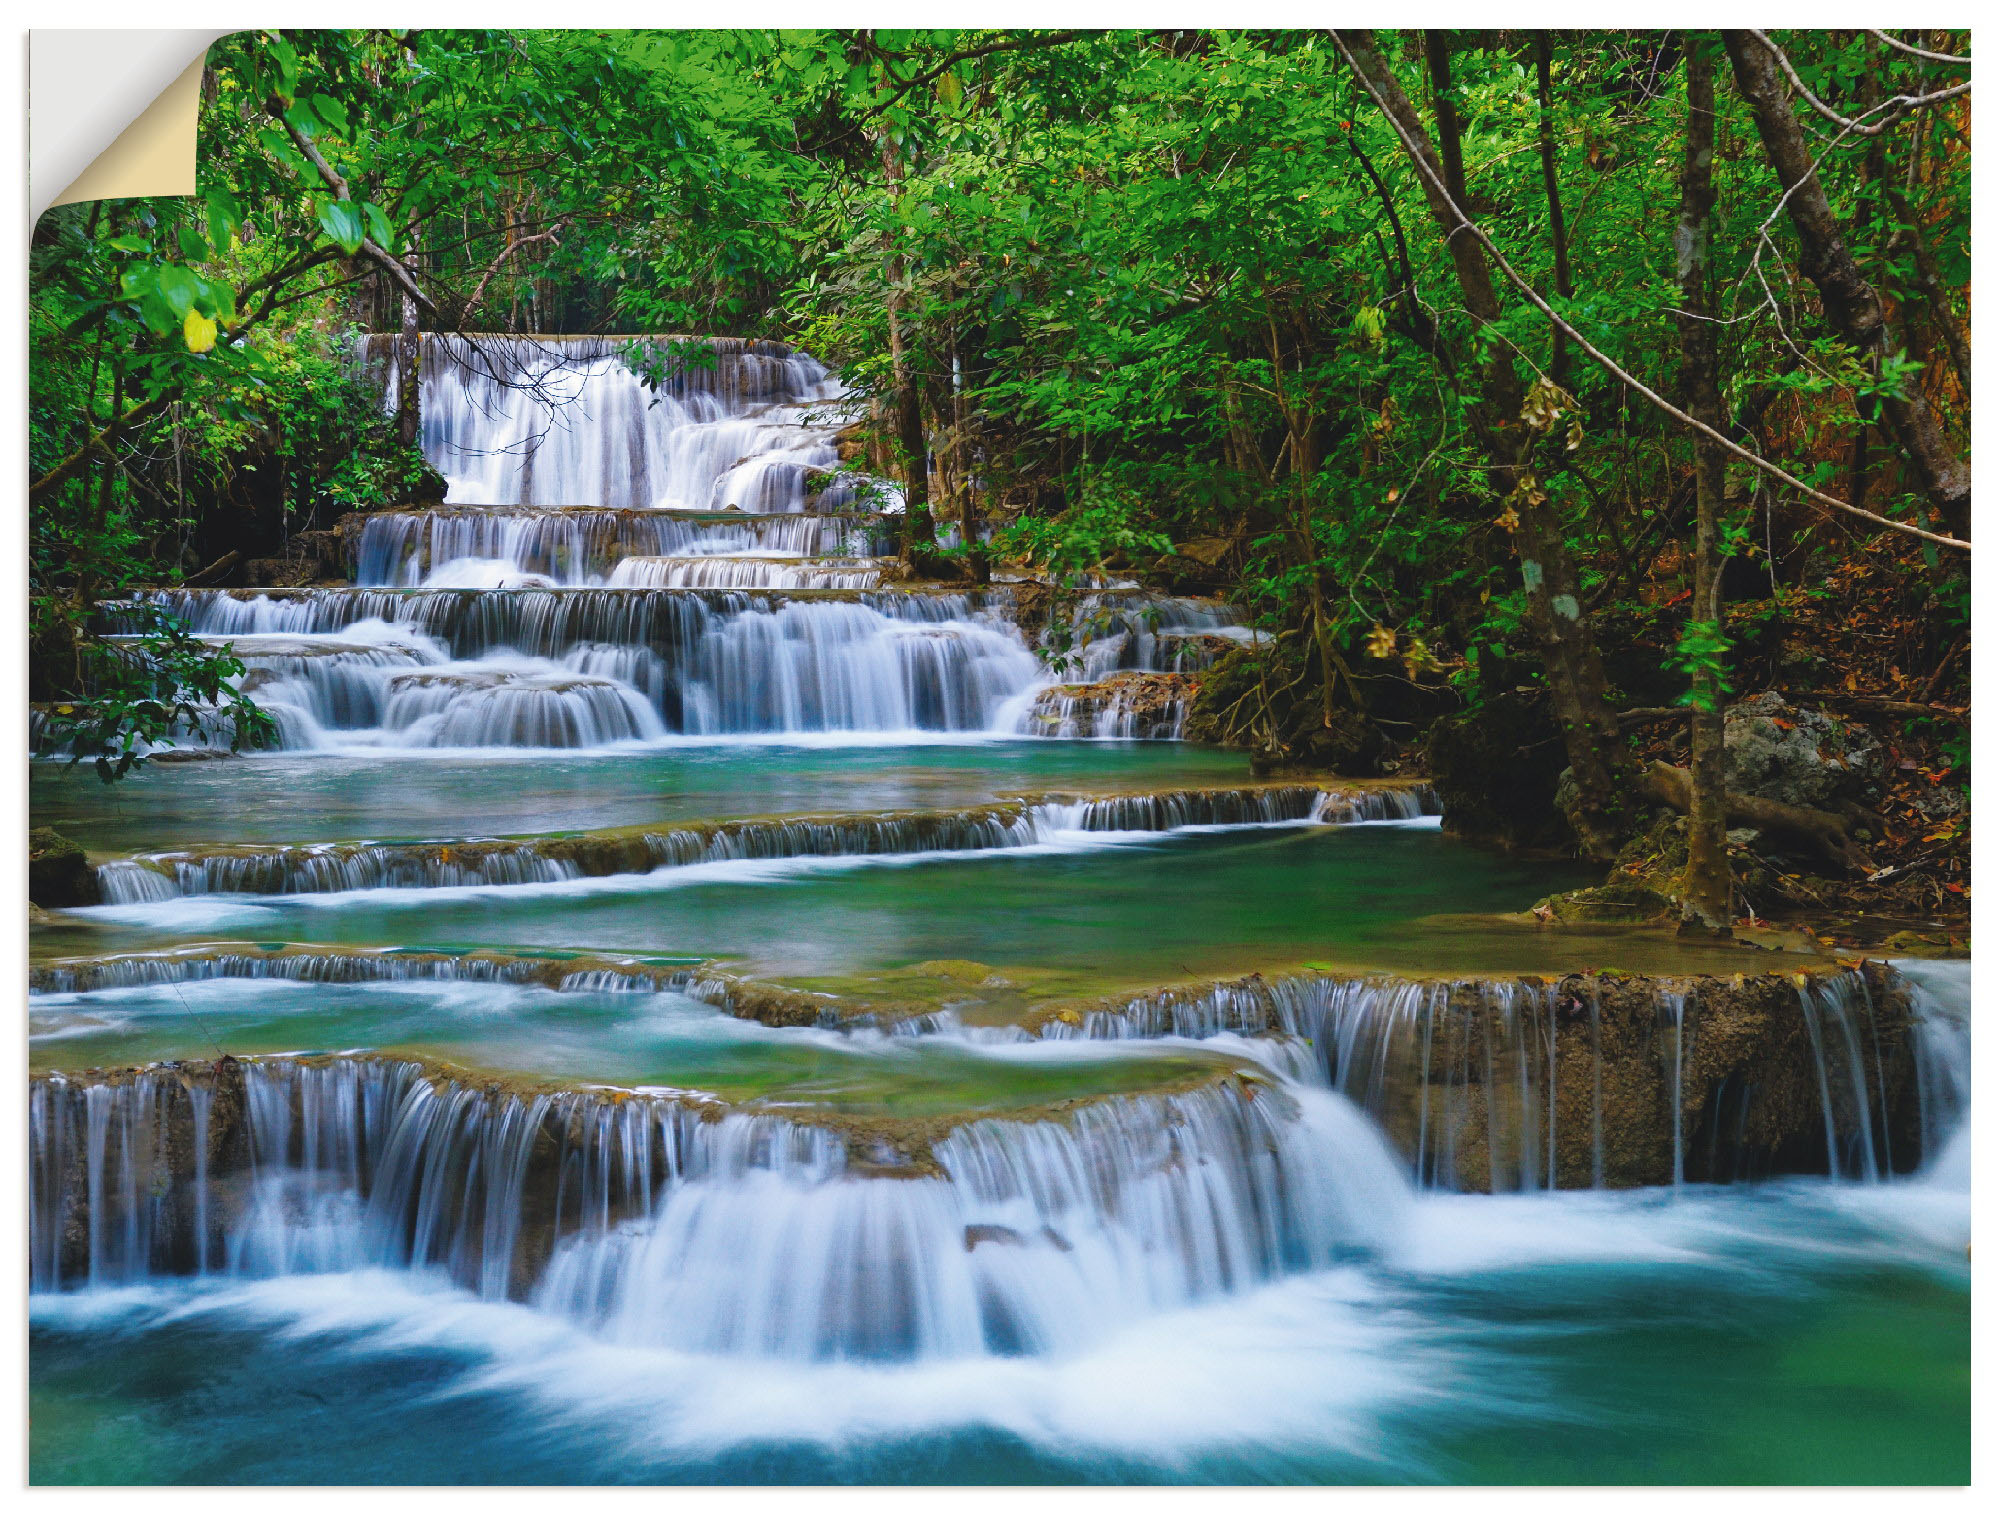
[919, 530]
[1707, 889]
[1558, 233]
[409, 378]
[1600, 762]
[961, 452]
[1437, 57]
[1940, 317]
[1853, 308]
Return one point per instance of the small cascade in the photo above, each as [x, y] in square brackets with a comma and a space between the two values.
[744, 573]
[663, 1219]
[336, 867]
[316, 1165]
[1032, 1238]
[528, 704]
[1941, 1001]
[1127, 707]
[1840, 1024]
[1141, 633]
[566, 972]
[581, 547]
[1593, 1080]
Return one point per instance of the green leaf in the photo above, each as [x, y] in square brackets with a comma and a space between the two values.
[378, 224]
[179, 288]
[341, 220]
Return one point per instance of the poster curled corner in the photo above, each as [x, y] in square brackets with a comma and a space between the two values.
[113, 113]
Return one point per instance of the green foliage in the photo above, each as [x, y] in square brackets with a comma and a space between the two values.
[153, 687]
[1085, 537]
[1702, 654]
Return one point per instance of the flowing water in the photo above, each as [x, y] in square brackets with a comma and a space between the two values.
[679, 1006]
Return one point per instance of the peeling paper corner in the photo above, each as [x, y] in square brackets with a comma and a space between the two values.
[112, 113]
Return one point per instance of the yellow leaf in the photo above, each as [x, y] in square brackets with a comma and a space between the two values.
[199, 331]
[1507, 518]
[1381, 643]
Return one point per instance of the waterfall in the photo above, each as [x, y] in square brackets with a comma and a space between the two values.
[335, 867]
[664, 1219]
[1128, 708]
[1121, 632]
[564, 421]
[617, 564]
[591, 667]
[582, 547]
[1501, 1084]
[742, 573]
[1033, 1237]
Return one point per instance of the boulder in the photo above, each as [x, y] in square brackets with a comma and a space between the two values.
[59, 875]
[1779, 751]
[1619, 904]
[1351, 746]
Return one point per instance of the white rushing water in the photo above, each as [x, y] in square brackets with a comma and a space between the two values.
[564, 421]
[1243, 1270]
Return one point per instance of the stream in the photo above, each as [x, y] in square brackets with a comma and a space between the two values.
[679, 1006]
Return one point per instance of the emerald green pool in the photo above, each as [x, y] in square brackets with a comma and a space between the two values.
[341, 796]
[1099, 912]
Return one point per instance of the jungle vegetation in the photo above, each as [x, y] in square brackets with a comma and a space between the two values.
[1562, 375]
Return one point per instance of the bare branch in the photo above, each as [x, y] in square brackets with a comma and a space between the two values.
[1896, 106]
[1918, 52]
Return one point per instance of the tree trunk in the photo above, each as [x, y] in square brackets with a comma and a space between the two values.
[961, 452]
[919, 530]
[1706, 893]
[409, 378]
[1552, 191]
[1853, 308]
[1600, 763]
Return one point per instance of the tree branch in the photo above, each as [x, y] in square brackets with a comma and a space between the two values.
[392, 265]
[1918, 52]
[1897, 106]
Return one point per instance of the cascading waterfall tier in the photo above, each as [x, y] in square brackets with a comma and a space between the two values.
[581, 547]
[1597, 1080]
[668, 1218]
[574, 667]
[549, 420]
[333, 867]
[1479, 1085]
[204, 962]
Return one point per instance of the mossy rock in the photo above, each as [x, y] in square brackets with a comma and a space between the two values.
[1656, 858]
[1927, 944]
[59, 875]
[1608, 904]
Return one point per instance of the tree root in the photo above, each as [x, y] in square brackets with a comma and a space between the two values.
[1819, 832]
